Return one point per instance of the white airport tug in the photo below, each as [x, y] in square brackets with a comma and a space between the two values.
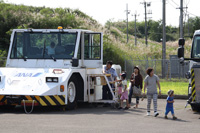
[54, 67]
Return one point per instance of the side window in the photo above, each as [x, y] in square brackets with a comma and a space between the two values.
[18, 46]
[92, 46]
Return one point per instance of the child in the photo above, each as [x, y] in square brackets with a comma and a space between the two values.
[124, 93]
[169, 106]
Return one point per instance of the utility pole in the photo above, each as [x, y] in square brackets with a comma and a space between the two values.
[145, 13]
[163, 40]
[135, 30]
[127, 12]
[181, 18]
[188, 26]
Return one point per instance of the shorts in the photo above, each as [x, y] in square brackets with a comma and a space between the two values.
[124, 95]
[119, 90]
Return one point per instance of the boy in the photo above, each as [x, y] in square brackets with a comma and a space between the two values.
[169, 106]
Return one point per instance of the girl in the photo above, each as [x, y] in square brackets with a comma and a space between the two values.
[124, 94]
[136, 80]
[151, 81]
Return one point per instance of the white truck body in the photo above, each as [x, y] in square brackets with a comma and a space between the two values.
[32, 74]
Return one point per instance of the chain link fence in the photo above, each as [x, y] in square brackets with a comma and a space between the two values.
[172, 67]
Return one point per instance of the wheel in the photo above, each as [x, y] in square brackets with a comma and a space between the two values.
[72, 93]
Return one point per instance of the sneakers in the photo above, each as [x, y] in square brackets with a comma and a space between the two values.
[156, 114]
[166, 117]
[174, 118]
[148, 113]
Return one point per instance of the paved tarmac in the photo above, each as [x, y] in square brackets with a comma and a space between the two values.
[91, 119]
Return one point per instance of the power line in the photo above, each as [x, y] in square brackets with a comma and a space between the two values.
[175, 3]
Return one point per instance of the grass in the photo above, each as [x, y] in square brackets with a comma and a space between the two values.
[180, 88]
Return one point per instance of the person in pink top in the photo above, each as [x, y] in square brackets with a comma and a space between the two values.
[124, 92]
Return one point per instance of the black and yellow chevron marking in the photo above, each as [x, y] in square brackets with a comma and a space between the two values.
[193, 85]
[2, 98]
[48, 100]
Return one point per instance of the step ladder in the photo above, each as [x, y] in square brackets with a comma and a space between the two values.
[92, 82]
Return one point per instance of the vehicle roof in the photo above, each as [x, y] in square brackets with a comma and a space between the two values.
[197, 32]
[53, 30]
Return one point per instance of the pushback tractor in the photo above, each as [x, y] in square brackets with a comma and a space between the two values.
[54, 67]
[194, 70]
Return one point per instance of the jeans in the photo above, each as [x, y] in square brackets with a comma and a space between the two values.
[107, 95]
[130, 96]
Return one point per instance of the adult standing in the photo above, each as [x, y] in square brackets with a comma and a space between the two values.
[107, 95]
[137, 81]
[151, 82]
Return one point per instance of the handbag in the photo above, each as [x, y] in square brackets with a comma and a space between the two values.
[136, 91]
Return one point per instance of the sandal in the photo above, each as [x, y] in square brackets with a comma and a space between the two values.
[126, 108]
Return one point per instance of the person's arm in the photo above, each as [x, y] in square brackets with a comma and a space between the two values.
[158, 83]
[141, 82]
[170, 101]
[115, 75]
[145, 85]
[132, 80]
[104, 70]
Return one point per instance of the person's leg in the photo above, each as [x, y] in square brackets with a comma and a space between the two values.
[155, 97]
[166, 112]
[137, 101]
[148, 102]
[130, 95]
[104, 97]
[172, 111]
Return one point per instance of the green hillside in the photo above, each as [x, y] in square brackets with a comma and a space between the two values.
[115, 47]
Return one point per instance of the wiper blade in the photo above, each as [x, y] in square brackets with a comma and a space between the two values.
[25, 58]
[53, 57]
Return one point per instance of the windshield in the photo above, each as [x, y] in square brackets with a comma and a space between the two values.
[29, 45]
[196, 47]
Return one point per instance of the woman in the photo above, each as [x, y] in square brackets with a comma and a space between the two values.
[136, 80]
[150, 82]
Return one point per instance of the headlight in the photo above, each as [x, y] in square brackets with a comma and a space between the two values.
[187, 75]
[52, 79]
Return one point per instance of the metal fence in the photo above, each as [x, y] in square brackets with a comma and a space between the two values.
[172, 66]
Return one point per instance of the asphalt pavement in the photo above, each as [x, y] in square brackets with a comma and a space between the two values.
[91, 119]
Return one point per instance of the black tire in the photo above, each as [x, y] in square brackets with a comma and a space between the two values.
[7, 107]
[72, 104]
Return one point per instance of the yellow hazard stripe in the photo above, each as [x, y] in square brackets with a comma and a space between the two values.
[193, 93]
[194, 98]
[50, 100]
[40, 101]
[59, 100]
[1, 97]
[28, 98]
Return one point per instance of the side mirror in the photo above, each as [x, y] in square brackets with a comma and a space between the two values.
[74, 62]
[180, 52]
[181, 42]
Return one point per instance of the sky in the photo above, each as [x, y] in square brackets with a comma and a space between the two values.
[103, 10]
